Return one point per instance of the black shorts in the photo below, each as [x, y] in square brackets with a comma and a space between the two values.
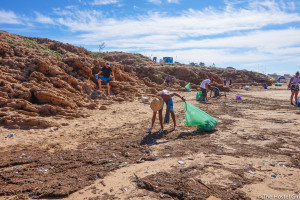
[216, 92]
[204, 93]
[295, 88]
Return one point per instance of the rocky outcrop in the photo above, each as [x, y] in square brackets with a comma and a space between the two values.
[40, 77]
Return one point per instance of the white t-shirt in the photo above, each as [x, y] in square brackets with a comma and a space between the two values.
[295, 81]
[206, 81]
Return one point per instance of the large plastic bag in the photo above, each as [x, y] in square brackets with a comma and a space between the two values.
[199, 96]
[187, 87]
[195, 116]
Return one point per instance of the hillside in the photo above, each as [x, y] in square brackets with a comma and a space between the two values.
[41, 77]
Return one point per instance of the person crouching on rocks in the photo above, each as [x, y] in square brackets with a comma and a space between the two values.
[157, 105]
[106, 71]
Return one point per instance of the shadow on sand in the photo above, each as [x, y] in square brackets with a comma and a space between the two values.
[194, 133]
[151, 139]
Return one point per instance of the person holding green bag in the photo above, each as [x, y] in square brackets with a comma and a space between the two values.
[157, 105]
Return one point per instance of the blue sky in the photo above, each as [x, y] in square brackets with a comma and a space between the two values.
[257, 35]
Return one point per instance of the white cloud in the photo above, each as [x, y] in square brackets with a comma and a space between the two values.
[233, 35]
[9, 17]
[155, 1]
[191, 23]
[104, 2]
[173, 1]
[43, 19]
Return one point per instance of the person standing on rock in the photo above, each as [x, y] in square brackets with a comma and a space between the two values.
[168, 79]
[106, 71]
[204, 88]
[224, 81]
[294, 86]
[157, 105]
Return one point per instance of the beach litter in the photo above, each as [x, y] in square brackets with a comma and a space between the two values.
[181, 162]
[11, 135]
[187, 87]
[31, 195]
[237, 97]
[123, 164]
[145, 99]
[251, 172]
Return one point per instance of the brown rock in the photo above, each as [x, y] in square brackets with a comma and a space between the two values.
[103, 107]
[46, 96]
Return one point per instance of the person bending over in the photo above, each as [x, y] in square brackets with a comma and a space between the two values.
[162, 97]
[204, 88]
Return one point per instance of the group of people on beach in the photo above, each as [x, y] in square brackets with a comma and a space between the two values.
[165, 96]
[225, 81]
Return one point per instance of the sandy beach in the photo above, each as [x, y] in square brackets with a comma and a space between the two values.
[254, 153]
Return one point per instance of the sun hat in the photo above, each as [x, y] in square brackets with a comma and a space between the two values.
[157, 103]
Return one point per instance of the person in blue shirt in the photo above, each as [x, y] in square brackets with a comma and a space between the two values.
[106, 71]
[168, 79]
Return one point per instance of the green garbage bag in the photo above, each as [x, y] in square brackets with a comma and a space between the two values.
[199, 96]
[195, 116]
[187, 87]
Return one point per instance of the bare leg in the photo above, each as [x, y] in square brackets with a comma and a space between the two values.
[173, 118]
[160, 119]
[99, 83]
[292, 97]
[108, 88]
[153, 119]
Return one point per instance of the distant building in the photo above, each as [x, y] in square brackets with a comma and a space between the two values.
[168, 59]
[287, 77]
[230, 68]
[281, 79]
[202, 64]
[274, 75]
